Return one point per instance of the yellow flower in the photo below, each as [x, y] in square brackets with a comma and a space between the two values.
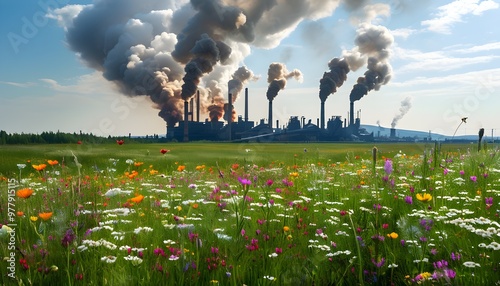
[286, 228]
[392, 235]
[45, 216]
[33, 218]
[153, 172]
[294, 174]
[24, 193]
[425, 197]
[179, 208]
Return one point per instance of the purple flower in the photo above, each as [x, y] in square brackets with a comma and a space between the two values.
[378, 263]
[489, 200]
[244, 181]
[445, 171]
[409, 200]
[462, 172]
[68, 238]
[473, 178]
[388, 166]
[455, 256]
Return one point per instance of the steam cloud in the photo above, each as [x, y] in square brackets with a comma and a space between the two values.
[164, 48]
[405, 107]
[277, 76]
[334, 78]
[372, 47]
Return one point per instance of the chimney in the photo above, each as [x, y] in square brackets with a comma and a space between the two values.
[191, 107]
[246, 105]
[277, 124]
[322, 116]
[186, 121]
[230, 115]
[270, 118]
[393, 132]
[351, 114]
[198, 106]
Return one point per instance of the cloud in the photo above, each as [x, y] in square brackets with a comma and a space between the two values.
[403, 33]
[436, 60]
[480, 48]
[488, 78]
[455, 11]
[18, 84]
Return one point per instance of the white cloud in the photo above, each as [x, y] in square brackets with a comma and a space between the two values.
[403, 33]
[454, 12]
[435, 60]
[480, 48]
[18, 84]
[489, 79]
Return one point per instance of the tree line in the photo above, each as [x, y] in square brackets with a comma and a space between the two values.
[50, 137]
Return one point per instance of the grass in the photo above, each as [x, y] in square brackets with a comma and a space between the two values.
[254, 214]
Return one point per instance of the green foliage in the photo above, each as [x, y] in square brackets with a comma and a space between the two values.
[254, 214]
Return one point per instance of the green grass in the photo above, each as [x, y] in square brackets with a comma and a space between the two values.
[275, 214]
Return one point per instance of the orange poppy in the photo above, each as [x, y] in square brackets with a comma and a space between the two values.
[137, 164]
[137, 199]
[181, 168]
[24, 193]
[39, 167]
[52, 162]
[20, 213]
[45, 216]
[195, 206]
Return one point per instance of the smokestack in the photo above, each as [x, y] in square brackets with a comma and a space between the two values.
[246, 105]
[277, 124]
[270, 118]
[191, 108]
[351, 114]
[186, 121]
[322, 115]
[230, 115]
[198, 106]
[393, 132]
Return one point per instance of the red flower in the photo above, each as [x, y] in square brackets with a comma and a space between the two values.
[120, 142]
[164, 151]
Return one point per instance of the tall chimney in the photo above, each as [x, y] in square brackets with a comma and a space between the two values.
[198, 106]
[351, 114]
[191, 107]
[186, 121]
[270, 118]
[246, 104]
[322, 115]
[230, 115]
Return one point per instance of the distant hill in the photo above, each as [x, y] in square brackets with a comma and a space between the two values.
[379, 131]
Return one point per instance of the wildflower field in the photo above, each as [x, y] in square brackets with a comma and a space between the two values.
[250, 214]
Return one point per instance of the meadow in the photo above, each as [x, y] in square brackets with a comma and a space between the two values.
[250, 214]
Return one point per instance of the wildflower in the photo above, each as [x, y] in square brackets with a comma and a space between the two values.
[120, 142]
[138, 164]
[455, 256]
[39, 167]
[137, 199]
[52, 162]
[244, 181]
[425, 197]
[392, 235]
[489, 200]
[409, 200]
[68, 238]
[445, 171]
[181, 168]
[269, 182]
[471, 264]
[21, 166]
[423, 276]
[286, 228]
[24, 193]
[45, 215]
[473, 178]
[164, 151]
[388, 166]
[33, 218]
[20, 213]
[109, 259]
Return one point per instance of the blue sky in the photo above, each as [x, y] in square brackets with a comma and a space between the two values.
[445, 59]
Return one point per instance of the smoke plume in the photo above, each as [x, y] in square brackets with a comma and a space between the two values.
[405, 107]
[372, 47]
[168, 49]
[241, 76]
[277, 75]
[334, 78]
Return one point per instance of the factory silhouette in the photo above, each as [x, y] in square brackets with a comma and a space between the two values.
[242, 129]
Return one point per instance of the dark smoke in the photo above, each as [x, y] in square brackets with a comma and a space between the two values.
[334, 78]
[405, 107]
[149, 47]
[206, 54]
[372, 47]
[277, 75]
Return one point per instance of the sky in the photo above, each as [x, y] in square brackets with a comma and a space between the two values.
[114, 67]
